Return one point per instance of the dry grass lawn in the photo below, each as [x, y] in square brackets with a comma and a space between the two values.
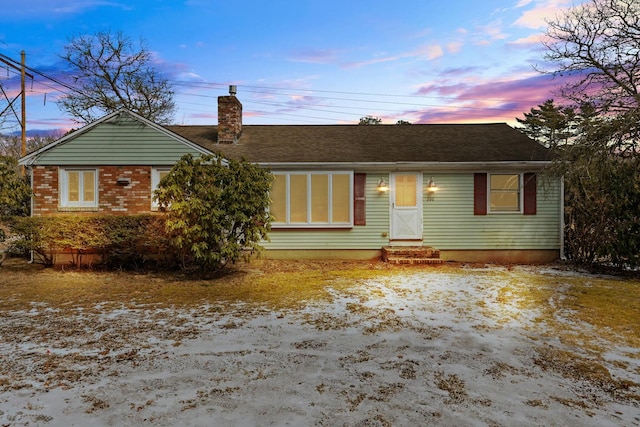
[583, 328]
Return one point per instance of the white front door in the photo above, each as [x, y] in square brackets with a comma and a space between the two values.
[406, 206]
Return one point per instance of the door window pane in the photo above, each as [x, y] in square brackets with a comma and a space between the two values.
[406, 190]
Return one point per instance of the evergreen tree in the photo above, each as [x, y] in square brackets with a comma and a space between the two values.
[15, 192]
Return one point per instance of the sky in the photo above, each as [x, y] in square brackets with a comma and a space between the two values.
[304, 61]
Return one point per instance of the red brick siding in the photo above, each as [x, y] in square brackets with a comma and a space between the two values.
[112, 198]
[45, 190]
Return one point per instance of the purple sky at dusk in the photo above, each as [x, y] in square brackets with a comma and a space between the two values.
[303, 62]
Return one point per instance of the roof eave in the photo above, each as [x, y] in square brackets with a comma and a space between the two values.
[393, 166]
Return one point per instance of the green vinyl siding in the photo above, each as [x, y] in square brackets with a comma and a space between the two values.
[448, 221]
[122, 141]
[369, 236]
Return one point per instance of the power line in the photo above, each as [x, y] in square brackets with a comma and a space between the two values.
[53, 79]
[469, 111]
[301, 92]
[344, 104]
[417, 108]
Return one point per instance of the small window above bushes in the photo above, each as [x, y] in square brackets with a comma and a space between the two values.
[78, 188]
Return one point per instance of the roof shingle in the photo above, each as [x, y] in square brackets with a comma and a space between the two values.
[495, 142]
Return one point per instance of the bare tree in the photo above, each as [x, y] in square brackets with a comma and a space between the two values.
[111, 73]
[597, 45]
[11, 145]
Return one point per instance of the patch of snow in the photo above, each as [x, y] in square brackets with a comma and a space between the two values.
[422, 348]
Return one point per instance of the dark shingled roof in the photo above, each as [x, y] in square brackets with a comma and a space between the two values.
[377, 143]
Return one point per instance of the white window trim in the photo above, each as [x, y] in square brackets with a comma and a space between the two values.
[63, 179]
[520, 194]
[155, 181]
[308, 224]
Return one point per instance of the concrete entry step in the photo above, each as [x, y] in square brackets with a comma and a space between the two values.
[411, 255]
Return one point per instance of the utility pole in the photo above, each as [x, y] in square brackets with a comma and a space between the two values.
[24, 106]
[23, 97]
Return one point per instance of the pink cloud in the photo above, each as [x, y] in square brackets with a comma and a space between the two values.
[204, 116]
[371, 61]
[428, 52]
[536, 18]
[454, 47]
[444, 90]
[314, 56]
[492, 101]
[531, 40]
[487, 34]
[460, 71]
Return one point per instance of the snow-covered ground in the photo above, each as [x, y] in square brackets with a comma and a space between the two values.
[425, 347]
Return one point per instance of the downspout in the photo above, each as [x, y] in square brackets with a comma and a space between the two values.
[32, 260]
[562, 257]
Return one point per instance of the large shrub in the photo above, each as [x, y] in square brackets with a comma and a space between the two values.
[217, 209]
[113, 241]
[602, 212]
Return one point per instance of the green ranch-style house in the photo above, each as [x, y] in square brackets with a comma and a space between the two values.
[474, 192]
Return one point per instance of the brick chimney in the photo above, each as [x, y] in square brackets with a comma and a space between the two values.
[229, 118]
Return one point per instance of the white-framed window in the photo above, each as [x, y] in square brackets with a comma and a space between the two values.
[312, 199]
[505, 193]
[156, 176]
[78, 188]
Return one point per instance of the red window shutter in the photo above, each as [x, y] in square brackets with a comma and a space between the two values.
[530, 189]
[480, 194]
[359, 199]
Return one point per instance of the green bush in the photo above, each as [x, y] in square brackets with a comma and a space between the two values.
[15, 192]
[135, 241]
[217, 209]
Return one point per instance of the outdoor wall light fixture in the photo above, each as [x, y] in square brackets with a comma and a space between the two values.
[383, 187]
[431, 185]
[123, 181]
[431, 189]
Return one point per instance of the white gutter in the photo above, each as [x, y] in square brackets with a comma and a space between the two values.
[393, 166]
